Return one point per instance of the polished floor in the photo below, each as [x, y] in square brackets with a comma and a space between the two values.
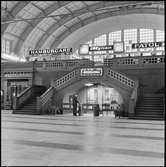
[49, 140]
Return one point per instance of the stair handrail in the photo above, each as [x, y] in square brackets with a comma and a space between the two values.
[44, 100]
[133, 99]
[66, 78]
[121, 78]
[21, 98]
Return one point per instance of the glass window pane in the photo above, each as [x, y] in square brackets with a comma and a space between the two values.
[7, 47]
[160, 37]
[3, 46]
[130, 36]
[146, 35]
[100, 41]
[114, 36]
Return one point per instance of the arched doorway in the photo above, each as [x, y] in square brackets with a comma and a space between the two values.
[91, 94]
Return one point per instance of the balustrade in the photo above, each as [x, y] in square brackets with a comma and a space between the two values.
[68, 77]
[19, 100]
[44, 100]
[121, 78]
[138, 60]
[62, 64]
[153, 60]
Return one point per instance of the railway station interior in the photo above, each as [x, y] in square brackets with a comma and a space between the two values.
[82, 83]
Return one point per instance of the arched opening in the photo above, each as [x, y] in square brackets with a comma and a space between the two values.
[91, 94]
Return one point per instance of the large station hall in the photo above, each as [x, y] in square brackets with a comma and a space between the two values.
[82, 83]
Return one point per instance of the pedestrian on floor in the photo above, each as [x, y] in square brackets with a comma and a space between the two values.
[75, 103]
[96, 110]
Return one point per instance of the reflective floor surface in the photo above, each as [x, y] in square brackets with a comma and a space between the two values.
[49, 140]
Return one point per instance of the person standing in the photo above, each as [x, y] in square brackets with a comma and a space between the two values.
[75, 101]
[97, 110]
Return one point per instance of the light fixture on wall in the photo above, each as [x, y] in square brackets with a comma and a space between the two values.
[89, 84]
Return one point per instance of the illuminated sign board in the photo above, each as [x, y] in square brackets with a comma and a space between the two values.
[148, 45]
[51, 51]
[101, 48]
[91, 72]
[84, 49]
[118, 47]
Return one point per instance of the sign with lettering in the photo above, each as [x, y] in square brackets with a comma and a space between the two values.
[148, 45]
[101, 48]
[91, 72]
[51, 51]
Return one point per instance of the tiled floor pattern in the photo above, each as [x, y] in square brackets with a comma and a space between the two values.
[46, 140]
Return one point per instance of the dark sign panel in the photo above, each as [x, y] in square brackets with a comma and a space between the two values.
[51, 51]
[147, 45]
[101, 48]
[91, 72]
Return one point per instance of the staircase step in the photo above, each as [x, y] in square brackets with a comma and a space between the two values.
[143, 111]
[147, 118]
[149, 109]
[149, 115]
[28, 113]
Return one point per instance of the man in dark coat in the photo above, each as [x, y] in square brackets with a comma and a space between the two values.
[75, 101]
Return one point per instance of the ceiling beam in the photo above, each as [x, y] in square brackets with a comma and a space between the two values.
[105, 15]
[29, 29]
[65, 20]
[15, 10]
[44, 13]
[14, 35]
[55, 26]
[77, 13]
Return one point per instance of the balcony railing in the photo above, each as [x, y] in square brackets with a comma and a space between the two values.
[137, 61]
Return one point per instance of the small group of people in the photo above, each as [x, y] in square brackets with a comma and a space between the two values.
[76, 106]
[117, 111]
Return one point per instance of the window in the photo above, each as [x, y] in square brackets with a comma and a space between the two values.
[6, 46]
[146, 35]
[130, 36]
[160, 37]
[100, 41]
[114, 36]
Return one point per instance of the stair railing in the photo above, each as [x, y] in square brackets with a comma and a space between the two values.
[133, 99]
[66, 79]
[44, 101]
[20, 99]
[121, 78]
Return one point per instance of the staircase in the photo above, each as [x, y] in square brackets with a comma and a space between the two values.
[150, 107]
[30, 106]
